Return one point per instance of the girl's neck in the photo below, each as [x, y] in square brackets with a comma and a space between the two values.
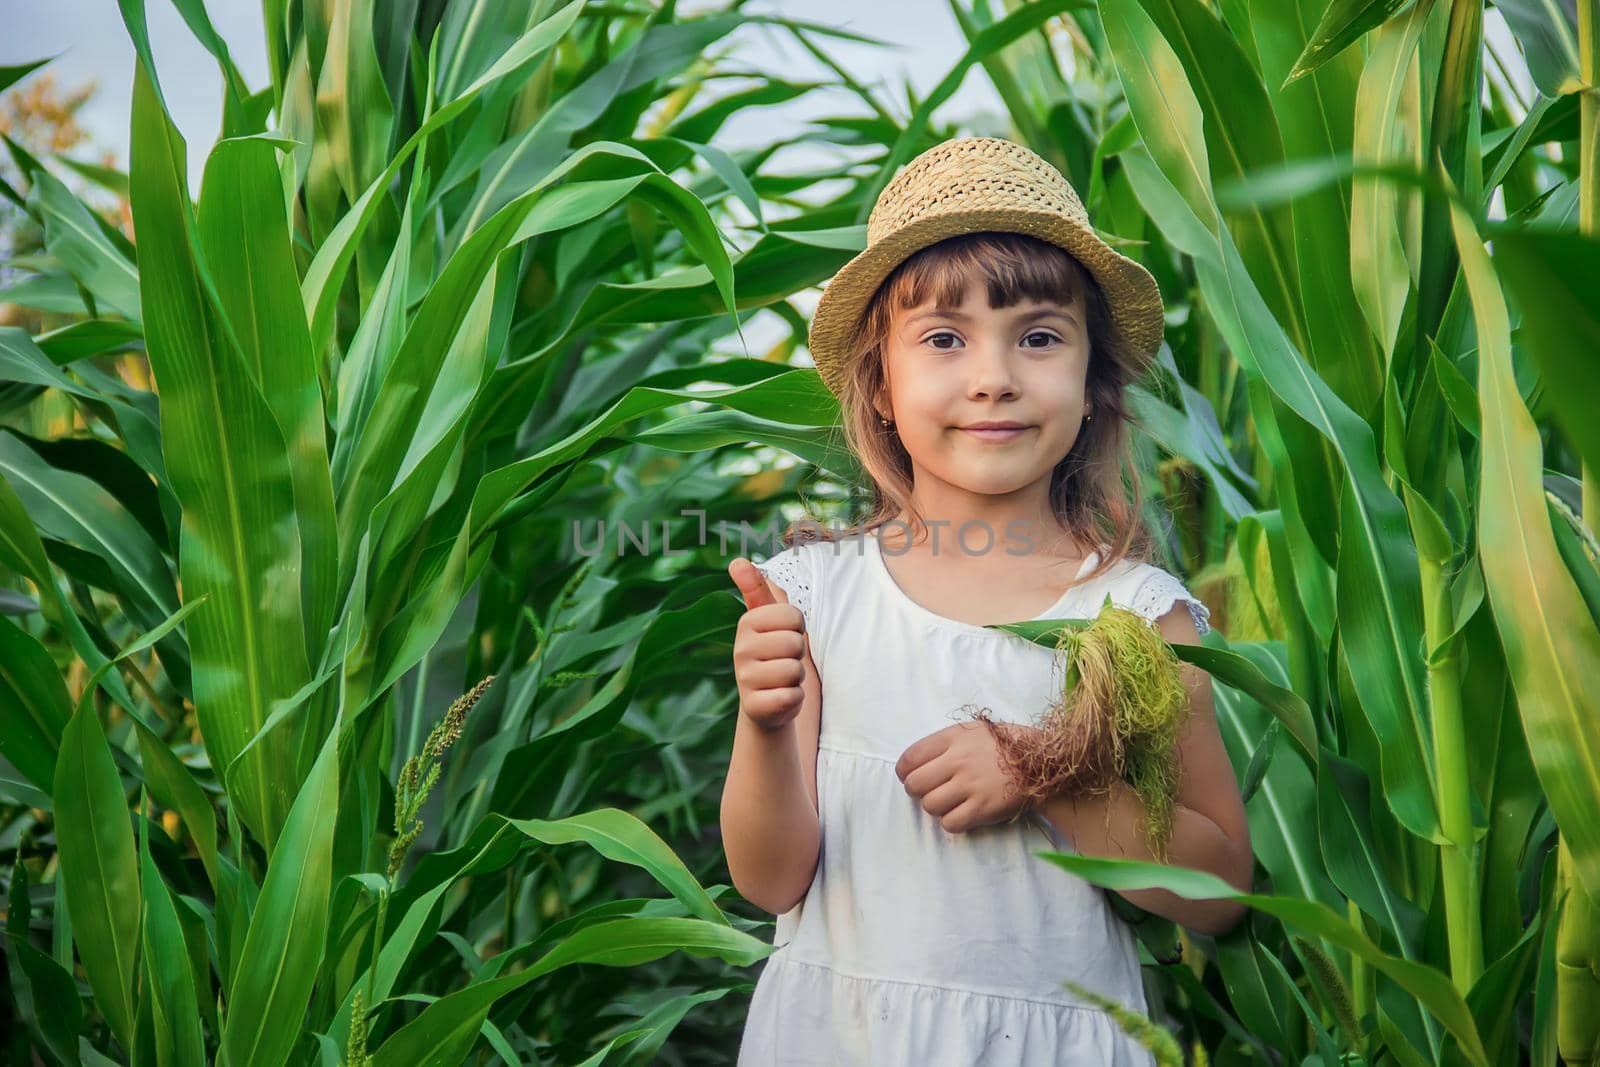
[1043, 537]
[1022, 519]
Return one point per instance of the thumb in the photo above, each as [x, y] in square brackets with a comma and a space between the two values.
[753, 584]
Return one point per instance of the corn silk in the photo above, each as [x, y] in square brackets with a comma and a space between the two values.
[1122, 707]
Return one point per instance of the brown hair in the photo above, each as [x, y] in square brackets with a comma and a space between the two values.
[1087, 494]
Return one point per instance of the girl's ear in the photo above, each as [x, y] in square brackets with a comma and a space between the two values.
[880, 406]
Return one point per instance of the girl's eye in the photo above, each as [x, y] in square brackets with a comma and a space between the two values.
[1048, 336]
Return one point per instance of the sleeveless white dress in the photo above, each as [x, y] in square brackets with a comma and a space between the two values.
[914, 945]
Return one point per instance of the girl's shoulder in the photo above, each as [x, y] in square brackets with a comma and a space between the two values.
[1152, 591]
[816, 576]
[799, 569]
[794, 570]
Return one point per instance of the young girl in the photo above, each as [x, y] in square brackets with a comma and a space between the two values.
[980, 348]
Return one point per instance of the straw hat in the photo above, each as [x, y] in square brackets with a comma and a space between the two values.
[965, 185]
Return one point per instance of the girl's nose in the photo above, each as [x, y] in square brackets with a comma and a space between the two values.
[992, 374]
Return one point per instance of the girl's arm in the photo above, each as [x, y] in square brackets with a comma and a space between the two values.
[770, 829]
[771, 832]
[1209, 828]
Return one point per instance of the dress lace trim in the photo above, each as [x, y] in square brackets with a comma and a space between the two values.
[1160, 591]
[788, 570]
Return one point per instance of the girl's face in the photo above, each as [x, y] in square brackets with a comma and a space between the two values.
[951, 368]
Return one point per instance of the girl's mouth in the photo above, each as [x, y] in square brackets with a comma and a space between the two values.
[998, 436]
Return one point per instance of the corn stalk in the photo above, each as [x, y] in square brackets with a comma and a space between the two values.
[1578, 937]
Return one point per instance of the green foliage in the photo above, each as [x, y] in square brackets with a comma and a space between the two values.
[418, 321]
[451, 299]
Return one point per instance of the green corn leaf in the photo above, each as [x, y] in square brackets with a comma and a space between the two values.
[1430, 987]
[1547, 33]
[282, 951]
[73, 508]
[174, 786]
[1553, 277]
[1379, 270]
[75, 237]
[23, 551]
[1342, 24]
[169, 989]
[230, 468]
[619, 836]
[10, 75]
[44, 994]
[244, 233]
[1552, 645]
[445, 1031]
[37, 706]
[99, 868]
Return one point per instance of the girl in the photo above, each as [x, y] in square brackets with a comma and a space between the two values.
[980, 347]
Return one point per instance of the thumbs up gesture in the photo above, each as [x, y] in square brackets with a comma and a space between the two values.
[767, 649]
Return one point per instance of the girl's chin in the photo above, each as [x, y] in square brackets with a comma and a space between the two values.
[992, 482]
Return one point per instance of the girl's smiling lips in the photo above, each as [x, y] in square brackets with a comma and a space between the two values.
[996, 431]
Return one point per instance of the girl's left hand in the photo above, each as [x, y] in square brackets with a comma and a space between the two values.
[956, 773]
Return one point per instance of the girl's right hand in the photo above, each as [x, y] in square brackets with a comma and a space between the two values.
[768, 649]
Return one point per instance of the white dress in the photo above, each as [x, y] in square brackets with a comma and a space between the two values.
[915, 945]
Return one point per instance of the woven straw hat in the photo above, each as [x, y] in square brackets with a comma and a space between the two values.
[965, 185]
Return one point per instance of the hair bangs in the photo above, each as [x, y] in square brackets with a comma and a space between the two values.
[1011, 268]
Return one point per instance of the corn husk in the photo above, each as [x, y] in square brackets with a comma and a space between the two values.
[1122, 707]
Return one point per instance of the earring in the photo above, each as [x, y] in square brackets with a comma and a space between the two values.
[1086, 418]
[886, 421]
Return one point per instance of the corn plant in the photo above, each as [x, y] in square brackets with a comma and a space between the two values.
[447, 277]
[1378, 441]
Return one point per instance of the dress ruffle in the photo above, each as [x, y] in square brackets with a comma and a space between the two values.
[812, 1014]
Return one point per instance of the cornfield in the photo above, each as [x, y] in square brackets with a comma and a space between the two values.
[323, 738]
